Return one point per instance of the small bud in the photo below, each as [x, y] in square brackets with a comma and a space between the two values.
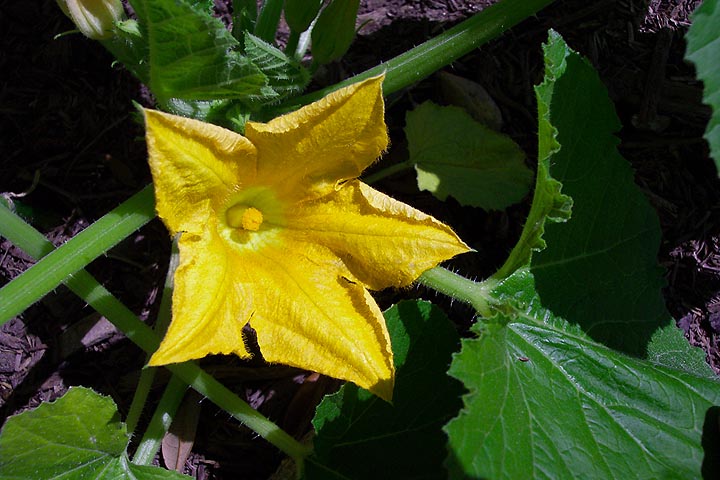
[94, 18]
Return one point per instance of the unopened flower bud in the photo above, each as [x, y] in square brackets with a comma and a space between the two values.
[94, 18]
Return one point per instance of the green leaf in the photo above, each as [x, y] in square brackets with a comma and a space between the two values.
[285, 76]
[455, 155]
[78, 436]
[703, 49]
[192, 55]
[545, 401]
[299, 14]
[244, 15]
[334, 30]
[359, 435]
[549, 204]
[600, 268]
[268, 19]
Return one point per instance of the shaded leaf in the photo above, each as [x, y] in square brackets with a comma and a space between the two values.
[455, 155]
[300, 13]
[472, 97]
[703, 49]
[600, 268]
[78, 436]
[359, 435]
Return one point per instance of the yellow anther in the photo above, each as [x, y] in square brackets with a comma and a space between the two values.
[247, 218]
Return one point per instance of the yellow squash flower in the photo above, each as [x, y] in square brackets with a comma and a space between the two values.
[277, 231]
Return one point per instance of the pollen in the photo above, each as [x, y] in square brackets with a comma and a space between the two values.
[247, 218]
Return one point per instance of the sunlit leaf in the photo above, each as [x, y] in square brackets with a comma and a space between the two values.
[79, 435]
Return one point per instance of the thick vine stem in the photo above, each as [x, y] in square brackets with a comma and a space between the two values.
[459, 288]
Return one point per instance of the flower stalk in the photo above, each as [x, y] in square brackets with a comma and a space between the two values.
[460, 288]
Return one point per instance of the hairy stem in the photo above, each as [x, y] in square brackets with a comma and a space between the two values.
[425, 59]
[459, 288]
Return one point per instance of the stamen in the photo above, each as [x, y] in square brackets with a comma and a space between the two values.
[247, 218]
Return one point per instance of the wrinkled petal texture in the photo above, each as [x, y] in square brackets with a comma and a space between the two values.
[210, 303]
[383, 242]
[308, 315]
[194, 164]
[307, 152]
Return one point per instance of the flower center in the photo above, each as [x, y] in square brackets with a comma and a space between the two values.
[242, 216]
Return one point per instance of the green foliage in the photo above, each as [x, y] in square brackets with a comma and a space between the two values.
[196, 68]
[703, 45]
[549, 204]
[620, 417]
[359, 435]
[334, 30]
[191, 54]
[287, 77]
[244, 14]
[606, 253]
[268, 19]
[457, 156]
[78, 436]
[300, 13]
[548, 402]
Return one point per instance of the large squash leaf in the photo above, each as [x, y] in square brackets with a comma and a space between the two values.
[547, 400]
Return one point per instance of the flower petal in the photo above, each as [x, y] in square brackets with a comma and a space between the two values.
[382, 241]
[307, 152]
[210, 305]
[192, 163]
[311, 318]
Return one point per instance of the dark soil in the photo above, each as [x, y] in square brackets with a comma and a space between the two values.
[72, 151]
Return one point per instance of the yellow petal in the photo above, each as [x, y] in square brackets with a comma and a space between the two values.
[309, 317]
[307, 152]
[210, 304]
[194, 163]
[382, 241]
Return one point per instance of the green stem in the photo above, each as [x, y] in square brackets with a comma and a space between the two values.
[160, 421]
[147, 375]
[74, 255]
[144, 385]
[387, 171]
[86, 287]
[460, 288]
[268, 19]
[423, 60]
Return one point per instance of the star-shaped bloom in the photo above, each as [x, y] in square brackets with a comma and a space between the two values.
[277, 231]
